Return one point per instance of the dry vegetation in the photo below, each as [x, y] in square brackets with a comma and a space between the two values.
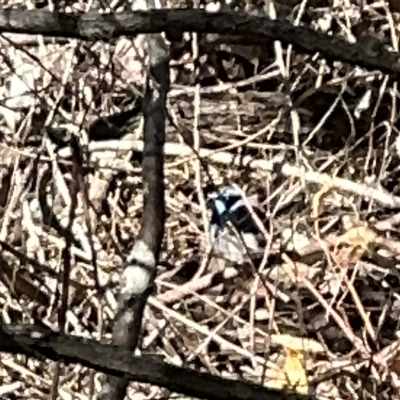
[314, 141]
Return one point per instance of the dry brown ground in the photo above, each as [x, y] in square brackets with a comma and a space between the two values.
[315, 141]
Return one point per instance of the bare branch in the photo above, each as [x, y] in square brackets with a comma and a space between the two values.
[33, 341]
[95, 26]
[138, 276]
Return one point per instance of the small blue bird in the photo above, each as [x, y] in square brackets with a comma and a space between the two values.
[232, 228]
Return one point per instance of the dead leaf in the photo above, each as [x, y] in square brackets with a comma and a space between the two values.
[292, 375]
[360, 237]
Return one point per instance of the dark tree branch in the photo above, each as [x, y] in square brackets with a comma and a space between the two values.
[138, 276]
[38, 342]
[94, 26]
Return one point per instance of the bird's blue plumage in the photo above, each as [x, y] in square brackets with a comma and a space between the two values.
[232, 227]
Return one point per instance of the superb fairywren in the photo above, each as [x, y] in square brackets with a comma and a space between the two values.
[233, 232]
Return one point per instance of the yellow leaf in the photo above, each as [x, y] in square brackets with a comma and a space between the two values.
[291, 374]
[359, 237]
[295, 371]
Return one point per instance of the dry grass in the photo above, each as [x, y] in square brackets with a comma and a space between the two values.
[314, 141]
